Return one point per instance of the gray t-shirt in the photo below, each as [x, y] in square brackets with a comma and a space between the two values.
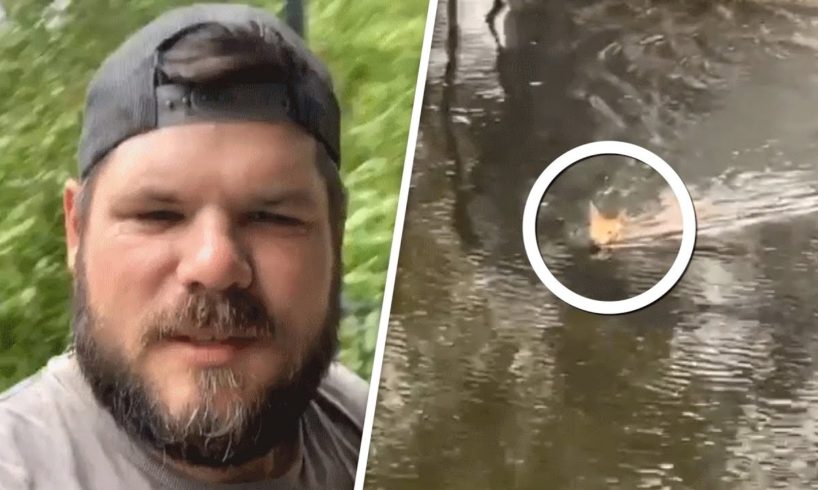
[54, 435]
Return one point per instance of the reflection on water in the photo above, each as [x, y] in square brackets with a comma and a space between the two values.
[489, 381]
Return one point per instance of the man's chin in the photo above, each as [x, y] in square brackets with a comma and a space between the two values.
[183, 394]
[201, 418]
[207, 417]
[229, 426]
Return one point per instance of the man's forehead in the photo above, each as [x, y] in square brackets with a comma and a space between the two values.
[260, 160]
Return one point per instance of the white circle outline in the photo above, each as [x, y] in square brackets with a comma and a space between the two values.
[576, 155]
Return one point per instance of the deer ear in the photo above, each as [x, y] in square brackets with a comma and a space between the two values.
[593, 212]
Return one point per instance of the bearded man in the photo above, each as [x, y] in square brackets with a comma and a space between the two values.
[204, 237]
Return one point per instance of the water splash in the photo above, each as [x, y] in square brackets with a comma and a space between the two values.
[728, 205]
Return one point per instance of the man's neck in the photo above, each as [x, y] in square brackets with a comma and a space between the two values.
[281, 461]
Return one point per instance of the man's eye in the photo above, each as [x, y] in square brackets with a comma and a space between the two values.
[164, 216]
[273, 218]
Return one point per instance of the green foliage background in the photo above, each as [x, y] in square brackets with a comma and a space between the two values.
[47, 57]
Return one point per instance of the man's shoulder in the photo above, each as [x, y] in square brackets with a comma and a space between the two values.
[41, 404]
[344, 393]
[31, 416]
[334, 429]
[36, 392]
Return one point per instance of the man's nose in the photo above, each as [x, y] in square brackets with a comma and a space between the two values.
[213, 259]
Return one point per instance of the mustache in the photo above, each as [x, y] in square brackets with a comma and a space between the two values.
[233, 313]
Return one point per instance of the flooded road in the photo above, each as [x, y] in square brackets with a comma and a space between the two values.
[489, 381]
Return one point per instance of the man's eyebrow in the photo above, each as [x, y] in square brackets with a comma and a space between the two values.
[153, 194]
[298, 197]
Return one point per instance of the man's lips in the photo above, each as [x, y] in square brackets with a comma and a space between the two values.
[207, 339]
[208, 349]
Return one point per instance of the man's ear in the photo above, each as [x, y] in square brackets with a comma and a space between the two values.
[71, 193]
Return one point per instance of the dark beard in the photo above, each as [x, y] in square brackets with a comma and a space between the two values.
[262, 425]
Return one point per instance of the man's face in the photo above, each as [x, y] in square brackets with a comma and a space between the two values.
[205, 278]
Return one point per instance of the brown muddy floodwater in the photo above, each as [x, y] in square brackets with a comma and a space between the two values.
[489, 381]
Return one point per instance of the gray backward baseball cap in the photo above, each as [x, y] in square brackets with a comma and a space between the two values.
[126, 96]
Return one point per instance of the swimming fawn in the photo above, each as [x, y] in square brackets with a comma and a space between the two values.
[623, 228]
[604, 230]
